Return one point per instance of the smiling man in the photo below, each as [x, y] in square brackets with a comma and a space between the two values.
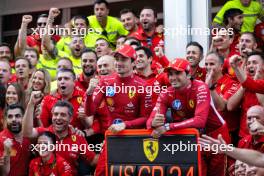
[14, 148]
[61, 112]
[66, 91]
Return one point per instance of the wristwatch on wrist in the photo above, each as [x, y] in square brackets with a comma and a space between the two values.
[167, 126]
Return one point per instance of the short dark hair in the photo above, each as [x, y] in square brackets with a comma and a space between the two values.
[63, 70]
[231, 13]
[146, 50]
[49, 135]
[197, 45]
[253, 53]
[89, 50]
[124, 11]
[5, 44]
[101, 38]
[34, 50]
[67, 59]
[64, 103]
[250, 33]
[14, 106]
[100, 2]
[43, 15]
[151, 8]
[23, 58]
[80, 17]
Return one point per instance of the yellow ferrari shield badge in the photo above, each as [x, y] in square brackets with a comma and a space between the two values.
[151, 148]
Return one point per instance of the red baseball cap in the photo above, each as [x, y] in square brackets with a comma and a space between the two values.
[178, 64]
[127, 51]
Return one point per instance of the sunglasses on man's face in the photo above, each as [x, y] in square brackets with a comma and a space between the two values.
[41, 24]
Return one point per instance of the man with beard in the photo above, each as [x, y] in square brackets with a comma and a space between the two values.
[109, 26]
[105, 65]
[247, 44]
[129, 20]
[148, 37]
[14, 148]
[194, 54]
[88, 63]
[62, 112]
[191, 107]
[233, 19]
[247, 95]
[102, 47]
[66, 91]
[131, 106]
[32, 55]
[252, 10]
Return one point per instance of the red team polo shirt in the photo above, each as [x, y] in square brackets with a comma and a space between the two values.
[50, 100]
[226, 87]
[200, 74]
[191, 108]
[133, 107]
[76, 149]
[20, 154]
[55, 166]
[151, 42]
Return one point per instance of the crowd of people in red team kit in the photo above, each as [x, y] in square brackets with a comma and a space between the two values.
[70, 88]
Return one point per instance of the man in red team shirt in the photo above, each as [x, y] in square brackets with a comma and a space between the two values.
[249, 94]
[129, 20]
[129, 105]
[14, 148]
[247, 43]
[194, 54]
[62, 112]
[88, 61]
[222, 87]
[191, 107]
[148, 37]
[66, 91]
[157, 82]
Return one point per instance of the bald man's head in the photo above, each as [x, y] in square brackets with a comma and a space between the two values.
[105, 65]
[255, 114]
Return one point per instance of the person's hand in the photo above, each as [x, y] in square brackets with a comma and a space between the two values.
[26, 19]
[235, 61]
[256, 128]
[259, 73]
[81, 112]
[159, 120]
[159, 51]
[157, 132]
[38, 110]
[92, 85]
[116, 128]
[54, 12]
[8, 146]
[207, 141]
[76, 131]
[35, 97]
